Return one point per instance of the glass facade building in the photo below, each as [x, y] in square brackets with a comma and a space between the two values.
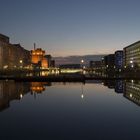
[119, 59]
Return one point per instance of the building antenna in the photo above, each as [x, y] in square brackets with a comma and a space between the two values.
[34, 46]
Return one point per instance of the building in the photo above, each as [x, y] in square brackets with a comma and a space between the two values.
[104, 62]
[132, 56]
[49, 58]
[12, 56]
[37, 55]
[119, 60]
[38, 58]
[111, 61]
[52, 63]
[108, 62]
[44, 63]
[24, 58]
[132, 91]
[95, 64]
[4, 39]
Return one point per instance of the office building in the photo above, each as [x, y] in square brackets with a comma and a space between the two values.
[132, 56]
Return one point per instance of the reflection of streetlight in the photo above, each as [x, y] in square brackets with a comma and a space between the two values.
[21, 96]
[82, 95]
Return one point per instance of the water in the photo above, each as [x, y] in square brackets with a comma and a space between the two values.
[70, 111]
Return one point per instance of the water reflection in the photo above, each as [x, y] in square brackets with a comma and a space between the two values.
[132, 91]
[37, 87]
[10, 90]
[117, 85]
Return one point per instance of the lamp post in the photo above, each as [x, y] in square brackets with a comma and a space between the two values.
[82, 61]
[82, 95]
[20, 61]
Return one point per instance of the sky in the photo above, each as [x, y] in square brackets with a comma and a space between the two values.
[71, 27]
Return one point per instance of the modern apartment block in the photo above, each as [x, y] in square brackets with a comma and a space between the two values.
[132, 56]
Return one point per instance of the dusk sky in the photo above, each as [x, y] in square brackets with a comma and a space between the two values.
[71, 27]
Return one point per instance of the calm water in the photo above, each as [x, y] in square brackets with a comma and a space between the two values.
[70, 111]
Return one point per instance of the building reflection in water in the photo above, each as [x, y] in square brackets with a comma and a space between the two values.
[117, 85]
[10, 90]
[38, 87]
[132, 91]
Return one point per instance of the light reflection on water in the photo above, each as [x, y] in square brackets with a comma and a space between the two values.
[91, 110]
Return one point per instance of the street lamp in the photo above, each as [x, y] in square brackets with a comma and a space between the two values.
[82, 61]
[20, 61]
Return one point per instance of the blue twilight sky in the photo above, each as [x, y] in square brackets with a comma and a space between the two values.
[70, 27]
